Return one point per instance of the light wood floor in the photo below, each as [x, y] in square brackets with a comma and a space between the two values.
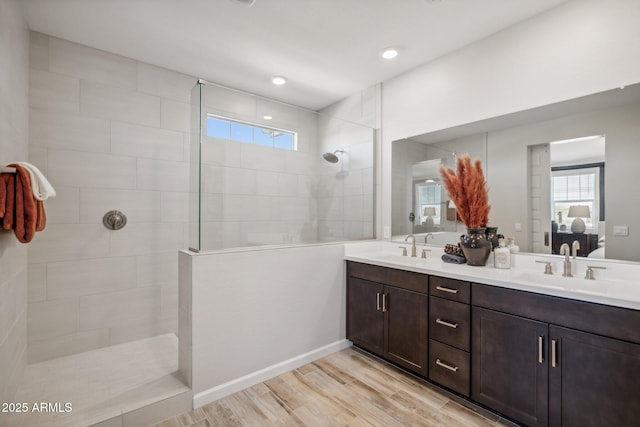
[347, 388]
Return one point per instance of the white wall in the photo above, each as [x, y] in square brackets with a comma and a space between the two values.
[14, 118]
[256, 314]
[579, 48]
[110, 133]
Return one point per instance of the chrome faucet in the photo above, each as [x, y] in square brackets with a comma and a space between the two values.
[564, 250]
[427, 237]
[413, 244]
[575, 247]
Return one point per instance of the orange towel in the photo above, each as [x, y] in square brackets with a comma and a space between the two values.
[22, 212]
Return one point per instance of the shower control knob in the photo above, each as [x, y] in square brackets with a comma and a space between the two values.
[114, 220]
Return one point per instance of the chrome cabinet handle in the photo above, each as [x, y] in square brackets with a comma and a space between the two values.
[445, 323]
[447, 366]
[540, 351]
[378, 301]
[443, 289]
[554, 353]
[384, 303]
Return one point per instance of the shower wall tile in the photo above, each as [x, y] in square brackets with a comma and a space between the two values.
[287, 184]
[249, 208]
[60, 242]
[221, 152]
[353, 208]
[37, 286]
[174, 206]
[226, 100]
[300, 162]
[137, 205]
[162, 175]
[169, 302]
[262, 158]
[164, 83]
[91, 64]
[110, 133]
[147, 238]
[53, 91]
[266, 183]
[139, 329]
[353, 184]
[71, 279]
[66, 131]
[119, 309]
[38, 51]
[157, 269]
[75, 168]
[50, 319]
[293, 208]
[78, 342]
[176, 115]
[64, 208]
[146, 142]
[109, 102]
[211, 205]
[239, 181]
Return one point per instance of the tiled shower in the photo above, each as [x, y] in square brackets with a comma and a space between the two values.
[112, 133]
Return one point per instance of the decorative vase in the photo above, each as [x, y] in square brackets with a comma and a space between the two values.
[475, 246]
[493, 236]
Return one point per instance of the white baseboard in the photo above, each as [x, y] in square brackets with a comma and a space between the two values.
[257, 377]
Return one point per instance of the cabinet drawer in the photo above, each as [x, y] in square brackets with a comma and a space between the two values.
[455, 290]
[449, 367]
[389, 276]
[449, 322]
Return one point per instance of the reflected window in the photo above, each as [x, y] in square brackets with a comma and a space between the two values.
[250, 133]
[577, 186]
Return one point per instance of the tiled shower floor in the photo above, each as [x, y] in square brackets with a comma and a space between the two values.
[100, 384]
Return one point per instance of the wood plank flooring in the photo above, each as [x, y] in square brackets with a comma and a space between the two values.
[347, 388]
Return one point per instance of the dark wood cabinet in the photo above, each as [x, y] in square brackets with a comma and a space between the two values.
[508, 375]
[387, 314]
[449, 333]
[536, 359]
[540, 371]
[588, 242]
[593, 380]
[364, 316]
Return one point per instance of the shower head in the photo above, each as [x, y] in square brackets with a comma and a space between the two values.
[331, 157]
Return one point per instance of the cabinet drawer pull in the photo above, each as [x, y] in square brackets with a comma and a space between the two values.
[443, 289]
[447, 366]
[384, 303]
[554, 353]
[540, 351]
[445, 323]
[378, 301]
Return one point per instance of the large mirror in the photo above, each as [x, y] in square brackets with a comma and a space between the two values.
[557, 173]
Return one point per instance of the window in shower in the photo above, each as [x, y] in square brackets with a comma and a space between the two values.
[250, 133]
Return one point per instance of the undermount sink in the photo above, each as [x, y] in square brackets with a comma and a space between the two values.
[402, 259]
[577, 283]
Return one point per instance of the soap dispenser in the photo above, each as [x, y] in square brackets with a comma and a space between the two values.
[502, 256]
[513, 248]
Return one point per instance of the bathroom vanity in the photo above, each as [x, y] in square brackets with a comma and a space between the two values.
[533, 354]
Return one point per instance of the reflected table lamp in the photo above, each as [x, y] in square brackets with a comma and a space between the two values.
[578, 212]
[429, 213]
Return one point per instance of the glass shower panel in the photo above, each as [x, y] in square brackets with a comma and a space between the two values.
[262, 178]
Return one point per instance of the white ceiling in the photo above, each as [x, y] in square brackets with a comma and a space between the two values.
[328, 49]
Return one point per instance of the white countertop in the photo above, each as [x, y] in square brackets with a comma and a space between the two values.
[615, 286]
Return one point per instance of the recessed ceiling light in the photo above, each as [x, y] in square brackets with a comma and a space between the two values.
[278, 80]
[267, 117]
[389, 53]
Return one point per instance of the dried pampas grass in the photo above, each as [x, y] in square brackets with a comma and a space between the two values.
[468, 190]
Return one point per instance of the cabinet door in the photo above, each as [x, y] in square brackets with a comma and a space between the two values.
[406, 320]
[508, 374]
[364, 314]
[594, 381]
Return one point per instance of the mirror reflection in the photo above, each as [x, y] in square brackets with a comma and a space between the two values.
[553, 172]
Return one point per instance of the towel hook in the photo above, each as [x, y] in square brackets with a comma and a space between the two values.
[114, 220]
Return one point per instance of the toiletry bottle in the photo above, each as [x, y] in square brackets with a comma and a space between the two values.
[502, 256]
[513, 248]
